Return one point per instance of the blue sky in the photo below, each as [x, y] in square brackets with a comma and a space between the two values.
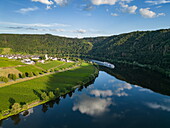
[83, 18]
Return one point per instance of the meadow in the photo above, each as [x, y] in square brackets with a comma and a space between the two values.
[4, 62]
[29, 68]
[49, 65]
[29, 91]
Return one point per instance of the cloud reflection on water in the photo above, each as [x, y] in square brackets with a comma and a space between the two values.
[159, 106]
[103, 93]
[120, 87]
[93, 106]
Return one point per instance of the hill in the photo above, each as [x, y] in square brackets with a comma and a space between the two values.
[144, 48]
[43, 44]
[149, 49]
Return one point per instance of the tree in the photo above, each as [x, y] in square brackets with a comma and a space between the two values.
[51, 95]
[14, 77]
[10, 76]
[25, 106]
[16, 107]
[57, 92]
[30, 74]
[44, 96]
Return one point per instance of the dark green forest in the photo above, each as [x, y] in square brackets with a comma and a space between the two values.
[150, 49]
[44, 44]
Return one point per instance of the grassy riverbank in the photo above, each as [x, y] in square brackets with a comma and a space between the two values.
[40, 90]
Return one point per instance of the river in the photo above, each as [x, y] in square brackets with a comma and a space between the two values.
[124, 97]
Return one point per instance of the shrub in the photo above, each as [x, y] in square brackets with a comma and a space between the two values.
[26, 74]
[20, 75]
[5, 112]
[30, 74]
[52, 70]
[12, 76]
[4, 79]
[36, 73]
[23, 75]
[16, 107]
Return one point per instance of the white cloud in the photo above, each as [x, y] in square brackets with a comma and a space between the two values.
[147, 13]
[156, 2]
[114, 14]
[158, 106]
[161, 14]
[128, 9]
[92, 106]
[34, 25]
[128, 1]
[100, 2]
[44, 1]
[61, 2]
[101, 93]
[48, 7]
[25, 10]
[82, 31]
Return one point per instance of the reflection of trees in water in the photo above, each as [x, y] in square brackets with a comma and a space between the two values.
[1, 121]
[44, 108]
[16, 119]
[141, 77]
[57, 101]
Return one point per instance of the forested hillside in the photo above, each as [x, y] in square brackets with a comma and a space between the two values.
[145, 48]
[44, 44]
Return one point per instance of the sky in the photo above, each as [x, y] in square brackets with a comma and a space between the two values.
[83, 18]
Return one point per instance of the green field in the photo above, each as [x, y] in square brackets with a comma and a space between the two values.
[29, 68]
[4, 62]
[50, 65]
[64, 66]
[26, 92]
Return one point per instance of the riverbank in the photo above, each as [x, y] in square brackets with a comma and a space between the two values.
[158, 69]
[41, 90]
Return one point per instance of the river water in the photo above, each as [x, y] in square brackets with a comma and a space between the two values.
[124, 97]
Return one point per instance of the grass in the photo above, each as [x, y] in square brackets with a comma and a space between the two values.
[5, 72]
[29, 68]
[50, 65]
[66, 65]
[26, 92]
[4, 62]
